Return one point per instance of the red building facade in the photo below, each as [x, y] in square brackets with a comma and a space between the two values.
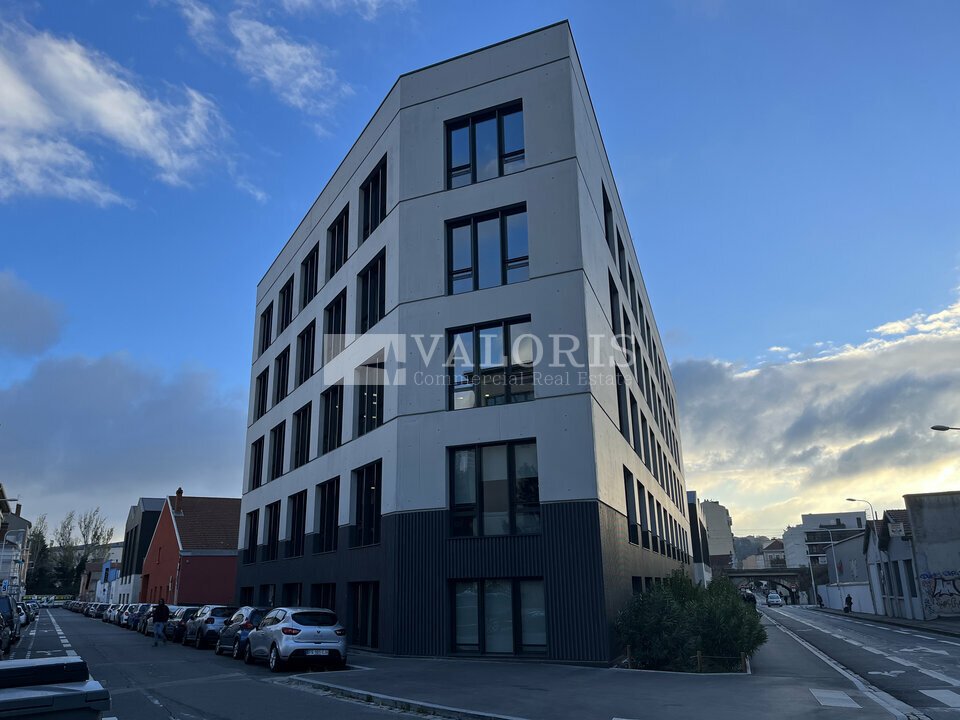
[192, 558]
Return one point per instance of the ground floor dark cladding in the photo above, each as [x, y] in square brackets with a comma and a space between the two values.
[552, 595]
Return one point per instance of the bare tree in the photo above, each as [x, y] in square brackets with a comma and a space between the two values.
[94, 533]
[65, 544]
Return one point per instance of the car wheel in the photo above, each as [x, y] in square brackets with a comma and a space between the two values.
[217, 650]
[248, 655]
[198, 641]
[275, 662]
[236, 650]
[183, 638]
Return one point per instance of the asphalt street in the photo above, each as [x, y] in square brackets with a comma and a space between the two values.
[174, 682]
[919, 668]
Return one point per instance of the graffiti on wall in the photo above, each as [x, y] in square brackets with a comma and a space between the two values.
[941, 593]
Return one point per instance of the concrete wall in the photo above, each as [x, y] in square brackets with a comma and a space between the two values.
[936, 543]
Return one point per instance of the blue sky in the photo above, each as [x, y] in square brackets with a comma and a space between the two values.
[789, 171]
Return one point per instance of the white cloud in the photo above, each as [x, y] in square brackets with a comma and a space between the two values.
[367, 9]
[201, 22]
[105, 431]
[30, 322]
[56, 93]
[297, 73]
[801, 435]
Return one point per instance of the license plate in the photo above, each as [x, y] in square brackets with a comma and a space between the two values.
[318, 652]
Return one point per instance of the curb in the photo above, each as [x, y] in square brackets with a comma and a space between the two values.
[397, 703]
[884, 620]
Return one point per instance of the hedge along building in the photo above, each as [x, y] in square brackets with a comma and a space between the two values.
[480, 499]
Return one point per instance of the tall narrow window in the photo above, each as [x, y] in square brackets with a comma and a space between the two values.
[633, 295]
[328, 515]
[332, 429]
[285, 308]
[266, 328]
[272, 549]
[323, 595]
[622, 259]
[260, 394]
[373, 200]
[281, 376]
[629, 490]
[253, 530]
[256, 463]
[485, 145]
[635, 423]
[365, 601]
[369, 397]
[301, 435]
[495, 489]
[371, 292]
[615, 308]
[654, 530]
[644, 521]
[491, 364]
[609, 228]
[306, 342]
[499, 616]
[277, 440]
[337, 242]
[487, 250]
[297, 516]
[367, 503]
[622, 405]
[309, 270]
[334, 326]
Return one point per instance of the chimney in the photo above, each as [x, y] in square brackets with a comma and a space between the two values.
[19, 508]
[178, 503]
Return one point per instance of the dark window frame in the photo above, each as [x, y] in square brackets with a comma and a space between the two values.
[255, 478]
[310, 276]
[261, 394]
[474, 510]
[328, 515]
[508, 370]
[371, 292]
[332, 427]
[370, 396]
[519, 649]
[337, 242]
[306, 353]
[302, 421]
[266, 329]
[281, 376]
[253, 536]
[507, 263]
[373, 200]
[277, 450]
[285, 306]
[335, 326]
[272, 544]
[367, 509]
[297, 504]
[504, 159]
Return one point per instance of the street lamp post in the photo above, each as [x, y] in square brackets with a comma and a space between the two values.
[943, 428]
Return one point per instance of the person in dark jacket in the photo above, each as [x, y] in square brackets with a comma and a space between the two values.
[161, 614]
[848, 604]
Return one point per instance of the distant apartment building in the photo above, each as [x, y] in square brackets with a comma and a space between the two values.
[699, 542]
[480, 500]
[141, 522]
[773, 554]
[820, 530]
[720, 534]
[14, 549]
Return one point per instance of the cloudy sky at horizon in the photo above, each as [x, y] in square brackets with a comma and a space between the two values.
[789, 173]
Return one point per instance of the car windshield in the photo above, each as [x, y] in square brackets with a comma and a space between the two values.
[256, 616]
[223, 612]
[315, 619]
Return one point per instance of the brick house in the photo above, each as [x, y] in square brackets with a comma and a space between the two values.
[192, 558]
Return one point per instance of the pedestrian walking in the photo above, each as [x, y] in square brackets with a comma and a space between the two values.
[819, 600]
[848, 604]
[160, 616]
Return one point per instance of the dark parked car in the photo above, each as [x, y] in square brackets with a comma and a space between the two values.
[133, 622]
[205, 626]
[178, 621]
[233, 636]
[11, 616]
[145, 624]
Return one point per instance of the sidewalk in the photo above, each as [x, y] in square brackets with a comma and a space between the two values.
[942, 626]
[784, 674]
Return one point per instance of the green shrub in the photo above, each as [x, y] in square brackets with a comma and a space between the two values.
[667, 626]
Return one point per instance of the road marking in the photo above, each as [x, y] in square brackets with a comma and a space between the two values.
[873, 650]
[887, 673]
[947, 697]
[834, 698]
[895, 707]
[920, 648]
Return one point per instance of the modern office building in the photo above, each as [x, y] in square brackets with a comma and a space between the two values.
[820, 530]
[141, 522]
[462, 432]
[720, 534]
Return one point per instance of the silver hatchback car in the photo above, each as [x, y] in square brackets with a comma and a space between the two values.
[297, 634]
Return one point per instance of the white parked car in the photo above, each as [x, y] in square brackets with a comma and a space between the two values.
[297, 634]
[774, 600]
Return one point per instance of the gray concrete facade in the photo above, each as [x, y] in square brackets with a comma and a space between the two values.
[611, 494]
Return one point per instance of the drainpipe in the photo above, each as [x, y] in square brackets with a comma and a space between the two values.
[176, 586]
